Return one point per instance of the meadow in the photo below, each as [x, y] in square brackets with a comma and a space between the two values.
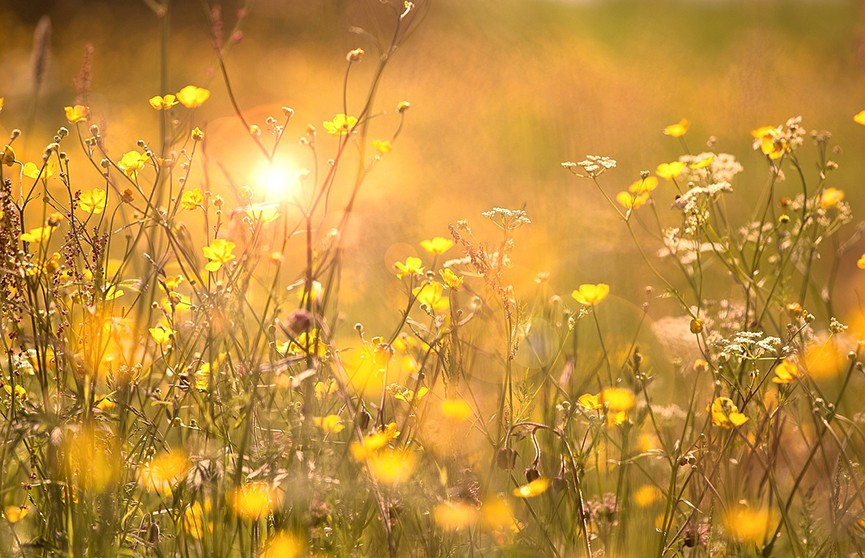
[432, 278]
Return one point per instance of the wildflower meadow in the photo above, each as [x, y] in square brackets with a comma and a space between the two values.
[234, 327]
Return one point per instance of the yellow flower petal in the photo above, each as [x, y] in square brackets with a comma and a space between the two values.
[534, 488]
[678, 129]
[192, 96]
[590, 294]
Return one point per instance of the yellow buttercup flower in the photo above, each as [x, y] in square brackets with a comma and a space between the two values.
[162, 334]
[132, 162]
[451, 279]
[45, 172]
[532, 489]
[162, 473]
[191, 199]
[219, 252]
[438, 245]
[618, 399]
[284, 545]
[340, 125]
[430, 294]
[678, 129]
[392, 466]
[77, 113]
[647, 495]
[786, 372]
[254, 500]
[644, 185]
[830, 197]
[192, 96]
[726, 414]
[331, 424]
[14, 514]
[632, 201]
[860, 263]
[382, 146]
[769, 141]
[194, 522]
[197, 134]
[670, 171]
[591, 402]
[859, 117]
[590, 294]
[703, 163]
[93, 201]
[162, 103]
[412, 266]
[39, 234]
[363, 450]
[748, 525]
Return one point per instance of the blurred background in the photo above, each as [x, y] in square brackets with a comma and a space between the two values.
[501, 92]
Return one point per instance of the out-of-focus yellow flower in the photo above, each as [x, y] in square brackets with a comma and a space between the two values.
[451, 279]
[703, 163]
[173, 281]
[162, 103]
[132, 162]
[454, 516]
[430, 294]
[859, 117]
[2, 100]
[830, 197]
[254, 500]
[618, 399]
[197, 134]
[340, 125]
[670, 171]
[616, 418]
[93, 201]
[192, 96]
[456, 409]
[412, 266]
[14, 514]
[591, 402]
[786, 372]
[331, 424]
[391, 466]
[382, 146]
[498, 515]
[726, 414]
[823, 360]
[748, 525]
[77, 113]
[589, 294]
[162, 334]
[860, 263]
[644, 185]
[162, 473]
[106, 405]
[284, 545]
[363, 450]
[632, 201]
[647, 495]
[219, 252]
[194, 522]
[678, 129]
[20, 392]
[45, 172]
[39, 234]
[192, 199]
[532, 489]
[438, 245]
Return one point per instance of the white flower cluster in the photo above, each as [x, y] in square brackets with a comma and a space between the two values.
[593, 165]
[694, 204]
[751, 344]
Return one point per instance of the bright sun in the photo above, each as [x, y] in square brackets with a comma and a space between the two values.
[277, 181]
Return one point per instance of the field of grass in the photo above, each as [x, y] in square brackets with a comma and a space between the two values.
[442, 278]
